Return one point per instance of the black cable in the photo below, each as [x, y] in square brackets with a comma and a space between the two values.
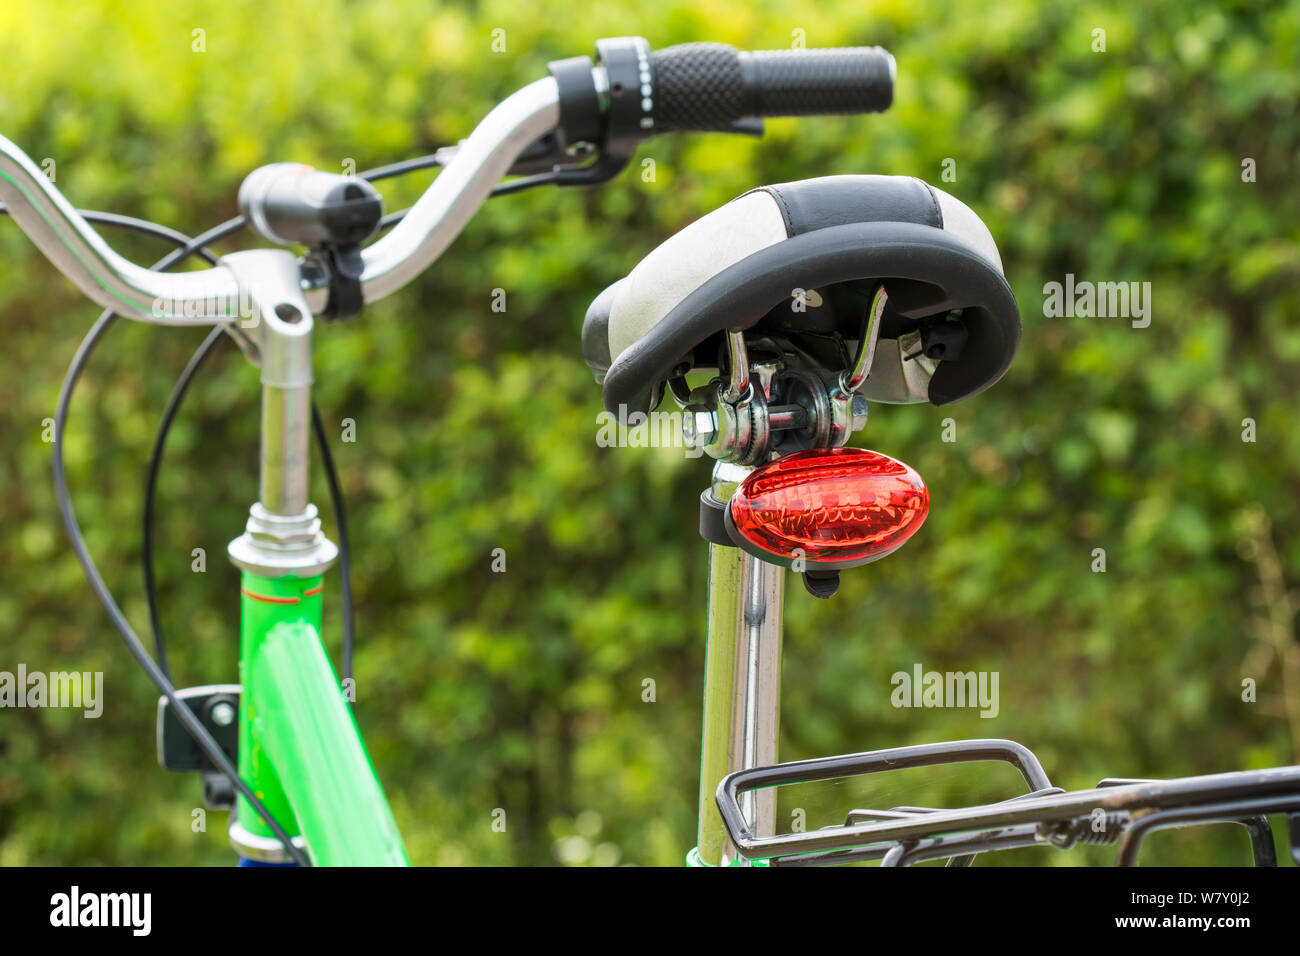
[336, 498]
[159, 672]
[398, 169]
[182, 387]
[426, 162]
[211, 749]
[393, 218]
[169, 414]
[345, 546]
[370, 175]
[180, 239]
[524, 182]
[151, 486]
[207, 743]
[504, 189]
[432, 160]
[140, 225]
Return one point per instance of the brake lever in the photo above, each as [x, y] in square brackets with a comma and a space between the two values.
[613, 159]
[550, 154]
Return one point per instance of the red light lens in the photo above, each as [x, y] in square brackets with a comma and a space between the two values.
[835, 505]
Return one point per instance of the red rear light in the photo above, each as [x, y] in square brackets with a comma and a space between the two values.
[838, 506]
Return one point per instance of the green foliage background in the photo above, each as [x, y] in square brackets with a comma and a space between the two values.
[475, 430]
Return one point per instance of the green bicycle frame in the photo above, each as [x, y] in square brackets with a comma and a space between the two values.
[299, 748]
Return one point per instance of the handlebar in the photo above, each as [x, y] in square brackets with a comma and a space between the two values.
[607, 108]
[213, 295]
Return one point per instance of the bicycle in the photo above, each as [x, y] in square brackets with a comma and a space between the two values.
[281, 748]
[850, 290]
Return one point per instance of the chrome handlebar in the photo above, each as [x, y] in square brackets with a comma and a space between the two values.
[80, 253]
[214, 295]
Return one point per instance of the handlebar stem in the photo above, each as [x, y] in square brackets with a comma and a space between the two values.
[283, 535]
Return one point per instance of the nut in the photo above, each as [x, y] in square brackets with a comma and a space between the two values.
[699, 426]
[858, 412]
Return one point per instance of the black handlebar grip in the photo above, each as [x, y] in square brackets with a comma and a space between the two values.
[709, 86]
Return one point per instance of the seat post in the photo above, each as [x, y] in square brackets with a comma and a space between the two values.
[742, 681]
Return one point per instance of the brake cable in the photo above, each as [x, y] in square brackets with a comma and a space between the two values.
[159, 672]
[202, 736]
[201, 355]
[150, 488]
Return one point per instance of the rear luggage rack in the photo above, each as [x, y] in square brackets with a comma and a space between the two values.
[1117, 811]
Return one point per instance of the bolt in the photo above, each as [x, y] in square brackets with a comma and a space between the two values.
[223, 713]
[699, 426]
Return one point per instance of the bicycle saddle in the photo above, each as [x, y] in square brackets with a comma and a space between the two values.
[799, 263]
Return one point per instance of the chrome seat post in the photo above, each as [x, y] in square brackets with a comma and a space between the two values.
[742, 682]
